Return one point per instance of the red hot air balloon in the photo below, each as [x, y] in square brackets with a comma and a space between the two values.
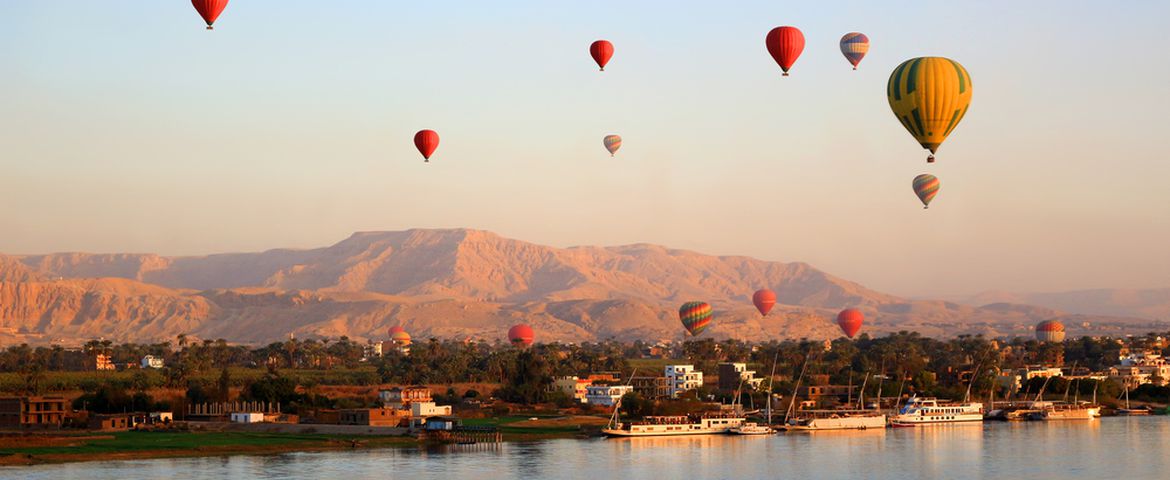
[764, 299]
[426, 141]
[209, 10]
[850, 321]
[785, 45]
[601, 51]
[521, 335]
[395, 329]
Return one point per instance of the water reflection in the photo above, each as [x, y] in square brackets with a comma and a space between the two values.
[1105, 448]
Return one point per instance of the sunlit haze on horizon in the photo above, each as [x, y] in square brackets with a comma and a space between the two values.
[126, 127]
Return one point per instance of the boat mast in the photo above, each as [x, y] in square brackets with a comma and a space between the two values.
[772, 378]
[861, 396]
[618, 406]
[796, 388]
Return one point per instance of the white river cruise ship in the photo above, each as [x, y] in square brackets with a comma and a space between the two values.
[923, 411]
[675, 425]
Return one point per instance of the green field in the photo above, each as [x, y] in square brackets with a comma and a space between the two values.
[187, 443]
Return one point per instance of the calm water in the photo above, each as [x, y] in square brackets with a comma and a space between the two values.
[1111, 448]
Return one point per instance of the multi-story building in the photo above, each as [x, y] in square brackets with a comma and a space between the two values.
[100, 362]
[403, 397]
[32, 412]
[572, 386]
[606, 395]
[681, 379]
[733, 376]
[650, 387]
[375, 417]
[1141, 368]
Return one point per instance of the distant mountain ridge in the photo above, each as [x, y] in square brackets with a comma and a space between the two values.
[454, 283]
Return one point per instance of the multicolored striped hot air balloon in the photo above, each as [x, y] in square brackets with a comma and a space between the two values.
[764, 300]
[209, 10]
[695, 317]
[785, 45]
[854, 45]
[926, 187]
[601, 51]
[1050, 331]
[612, 143]
[929, 95]
[850, 321]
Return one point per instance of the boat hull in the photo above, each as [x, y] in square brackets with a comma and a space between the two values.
[626, 433]
[842, 423]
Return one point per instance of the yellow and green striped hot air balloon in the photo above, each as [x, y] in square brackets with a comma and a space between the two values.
[926, 187]
[929, 95]
[695, 317]
[612, 143]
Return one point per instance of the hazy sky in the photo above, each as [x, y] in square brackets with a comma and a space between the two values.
[126, 127]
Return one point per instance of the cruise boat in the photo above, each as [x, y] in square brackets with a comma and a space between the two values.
[675, 425]
[808, 420]
[926, 411]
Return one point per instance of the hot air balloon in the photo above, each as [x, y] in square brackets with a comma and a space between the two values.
[426, 141]
[930, 96]
[521, 335]
[854, 45]
[764, 300]
[209, 10]
[401, 339]
[850, 321]
[695, 317]
[395, 329]
[926, 187]
[785, 45]
[601, 51]
[1050, 331]
[612, 143]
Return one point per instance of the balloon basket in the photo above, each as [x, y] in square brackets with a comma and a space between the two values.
[785, 74]
[930, 159]
[209, 27]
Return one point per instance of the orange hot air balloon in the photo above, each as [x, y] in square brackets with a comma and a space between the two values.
[601, 51]
[764, 300]
[395, 329]
[209, 10]
[521, 335]
[785, 45]
[426, 141]
[850, 321]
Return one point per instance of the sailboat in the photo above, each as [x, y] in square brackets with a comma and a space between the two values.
[753, 428]
[1127, 411]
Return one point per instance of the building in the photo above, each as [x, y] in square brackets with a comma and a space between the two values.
[572, 386]
[374, 417]
[247, 417]
[151, 361]
[605, 377]
[650, 387]
[443, 423]
[606, 395]
[32, 412]
[402, 397]
[733, 376]
[100, 362]
[1038, 371]
[160, 418]
[371, 350]
[428, 409]
[114, 422]
[681, 379]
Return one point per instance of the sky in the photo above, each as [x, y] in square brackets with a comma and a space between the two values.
[127, 127]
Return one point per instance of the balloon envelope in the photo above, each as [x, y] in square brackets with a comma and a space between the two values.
[601, 51]
[785, 45]
[401, 339]
[426, 141]
[695, 317]
[850, 321]
[395, 329]
[209, 10]
[1050, 331]
[612, 143]
[764, 300]
[926, 187]
[854, 45]
[521, 335]
[930, 96]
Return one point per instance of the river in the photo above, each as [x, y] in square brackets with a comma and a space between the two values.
[1110, 448]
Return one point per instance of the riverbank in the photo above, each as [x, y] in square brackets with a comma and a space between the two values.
[59, 447]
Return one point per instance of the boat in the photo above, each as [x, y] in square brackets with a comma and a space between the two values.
[926, 411]
[808, 420]
[1132, 412]
[707, 424]
[751, 428]
[1045, 411]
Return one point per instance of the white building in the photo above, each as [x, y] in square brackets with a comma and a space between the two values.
[682, 378]
[151, 361]
[606, 395]
[247, 417]
[428, 409]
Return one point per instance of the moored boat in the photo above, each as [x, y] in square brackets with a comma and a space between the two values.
[751, 428]
[925, 411]
[675, 425]
[808, 420]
